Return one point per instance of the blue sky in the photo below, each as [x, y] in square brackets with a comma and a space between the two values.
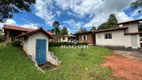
[74, 13]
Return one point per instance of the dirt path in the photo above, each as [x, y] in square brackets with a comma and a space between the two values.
[127, 67]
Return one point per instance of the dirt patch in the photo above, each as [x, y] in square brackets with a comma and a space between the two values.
[124, 67]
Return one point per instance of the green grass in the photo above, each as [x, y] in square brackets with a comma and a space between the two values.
[15, 65]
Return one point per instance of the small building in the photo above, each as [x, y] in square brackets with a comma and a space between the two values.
[11, 32]
[35, 44]
[127, 35]
[88, 36]
[67, 38]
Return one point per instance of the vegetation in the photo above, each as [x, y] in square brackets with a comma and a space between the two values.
[16, 43]
[8, 7]
[15, 65]
[57, 30]
[111, 23]
[137, 4]
[81, 30]
[67, 43]
[64, 31]
[93, 28]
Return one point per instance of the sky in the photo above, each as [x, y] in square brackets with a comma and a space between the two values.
[74, 13]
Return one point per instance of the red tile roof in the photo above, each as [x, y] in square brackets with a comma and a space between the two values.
[36, 30]
[17, 28]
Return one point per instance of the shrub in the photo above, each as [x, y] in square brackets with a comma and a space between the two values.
[16, 43]
[2, 44]
[67, 43]
[1, 38]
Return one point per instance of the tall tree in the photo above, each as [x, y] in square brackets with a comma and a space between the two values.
[137, 4]
[9, 7]
[81, 30]
[93, 28]
[64, 31]
[56, 27]
[111, 23]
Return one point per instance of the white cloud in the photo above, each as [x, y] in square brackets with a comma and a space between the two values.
[58, 13]
[75, 25]
[13, 22]
[43, 10]
[10, 22]
[98, 10]
[31, 25]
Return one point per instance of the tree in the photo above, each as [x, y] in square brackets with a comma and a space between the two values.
[9, 7]
[64, 31]
[93, 28]
[111, 23]
[137, 4]
[82, 30]
[56, 27]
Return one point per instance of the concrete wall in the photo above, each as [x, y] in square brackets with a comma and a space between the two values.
[132, 27]
[29, 45]
[118, 39]
[89, 38]
[65, 40]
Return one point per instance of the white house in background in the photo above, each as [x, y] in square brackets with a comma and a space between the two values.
[127, 35]
[35, 44]
[66, 38]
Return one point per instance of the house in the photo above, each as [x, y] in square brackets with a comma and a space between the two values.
[12, 31]
[127, 35]
[66, 38]
[34, 41]
[88, 36]
[35, 44]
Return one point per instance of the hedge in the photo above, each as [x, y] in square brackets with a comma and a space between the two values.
[67, 43]
[16, 43]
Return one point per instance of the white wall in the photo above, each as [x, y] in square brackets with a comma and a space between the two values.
[118, 39]
[132, 27]
[30, 44]
[66, 39]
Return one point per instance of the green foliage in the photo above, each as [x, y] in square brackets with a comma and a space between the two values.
[2, 38]
[67, 43]
[8, 7]
[2, 44]
[56, 28]
[93, 28]
[16, 43]
[64, 31]
[81, 30]
[14, 65]
[111, 23]
[137, 4]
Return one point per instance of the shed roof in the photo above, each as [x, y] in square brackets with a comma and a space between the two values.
[36, 30]
[111, 29]
[17, 28]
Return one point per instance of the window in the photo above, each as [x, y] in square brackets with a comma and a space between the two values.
[63, 38]
[108, 36]
[84, 37]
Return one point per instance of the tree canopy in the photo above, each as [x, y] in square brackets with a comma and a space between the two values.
[64, 31]
[93, 28]
[9, 7]
[111, 23]
[56, 27]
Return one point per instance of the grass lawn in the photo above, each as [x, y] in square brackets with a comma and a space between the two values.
[15, 65]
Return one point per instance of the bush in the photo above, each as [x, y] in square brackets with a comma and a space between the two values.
[1, 38]
[16, 43]
[2, 44]
[67, 43]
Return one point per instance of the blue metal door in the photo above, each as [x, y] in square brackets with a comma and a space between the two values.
[41, 51]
